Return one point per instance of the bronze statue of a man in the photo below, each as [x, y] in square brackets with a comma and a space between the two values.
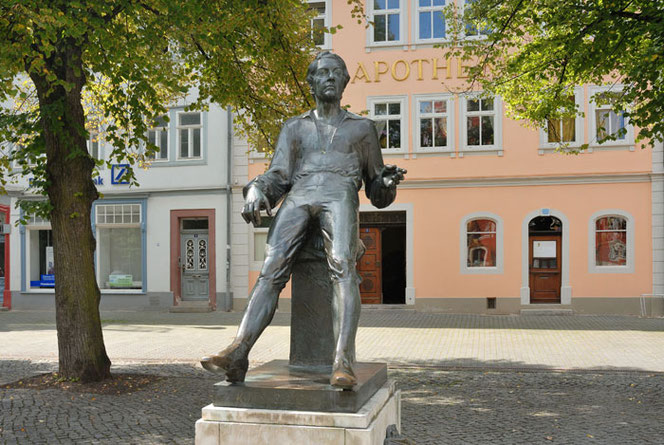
[319, 163]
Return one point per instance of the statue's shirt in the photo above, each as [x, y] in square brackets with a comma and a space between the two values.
[308, 151]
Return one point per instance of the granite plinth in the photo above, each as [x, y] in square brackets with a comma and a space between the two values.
[312, 335]
[278, 385]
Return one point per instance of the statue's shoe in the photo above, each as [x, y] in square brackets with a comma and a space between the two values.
[343, 375]
[232, 361]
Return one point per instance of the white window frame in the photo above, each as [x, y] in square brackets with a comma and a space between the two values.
[478, 36]
[191, 129]
[108, 225]
[592, 243]
[497, 146]
[403, 29]
[157, 139]
[94, 138]
[403, 102]
[256, 264]
[627, 143]
[449, 100]
[415, 26]
[545, 145]
[463, 246]
[327, 21]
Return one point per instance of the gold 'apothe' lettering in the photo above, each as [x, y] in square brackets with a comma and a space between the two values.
[360, 73]
[399, 70]
[419, 66]
[405, 74]
[445, 66]
[378, 71]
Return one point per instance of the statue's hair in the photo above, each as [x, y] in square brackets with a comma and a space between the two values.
[313, 66]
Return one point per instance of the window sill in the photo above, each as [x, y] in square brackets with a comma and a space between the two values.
[178, 163]
[429, 43]
[482, 271]
[430, 153]
[480, 151]
[549, 149]
[612, 147]
[121, 291]
[611, 269]
[258, 156]
[386, 45]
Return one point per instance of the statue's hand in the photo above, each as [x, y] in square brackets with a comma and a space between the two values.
[253, 203]
[393, 175]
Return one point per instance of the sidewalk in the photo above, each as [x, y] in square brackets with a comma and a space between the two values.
[395, 336]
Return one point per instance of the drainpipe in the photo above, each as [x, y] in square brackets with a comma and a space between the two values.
[228, 300]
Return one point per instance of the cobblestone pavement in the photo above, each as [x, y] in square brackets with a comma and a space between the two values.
[438, 407]
[466, 379]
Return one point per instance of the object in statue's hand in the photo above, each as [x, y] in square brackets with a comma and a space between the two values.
[393, 175]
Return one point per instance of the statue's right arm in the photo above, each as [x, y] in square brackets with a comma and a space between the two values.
[266, 190]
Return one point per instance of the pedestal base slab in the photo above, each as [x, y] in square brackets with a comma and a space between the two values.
[367, 426]
[278, 385]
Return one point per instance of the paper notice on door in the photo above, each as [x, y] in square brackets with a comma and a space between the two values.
[544, 249]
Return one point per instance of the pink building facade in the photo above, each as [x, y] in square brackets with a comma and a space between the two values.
[491, 218]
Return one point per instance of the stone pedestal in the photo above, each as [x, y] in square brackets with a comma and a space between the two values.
[236, 426]
[292, 402]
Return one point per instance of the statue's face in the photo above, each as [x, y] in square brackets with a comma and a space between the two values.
[328, 82]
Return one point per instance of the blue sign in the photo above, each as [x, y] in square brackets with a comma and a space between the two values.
[47, 280]
[98, 180]
[118, 171]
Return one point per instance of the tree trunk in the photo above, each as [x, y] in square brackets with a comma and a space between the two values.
[81, 350]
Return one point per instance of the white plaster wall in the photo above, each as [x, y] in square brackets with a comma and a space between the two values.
[14, 249]
[239, 228]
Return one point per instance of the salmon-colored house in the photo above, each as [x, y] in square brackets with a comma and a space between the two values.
[491, 218]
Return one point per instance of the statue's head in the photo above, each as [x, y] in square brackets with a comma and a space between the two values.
[327, 69]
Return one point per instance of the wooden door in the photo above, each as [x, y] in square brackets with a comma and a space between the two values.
[545, 268]
[369, 267]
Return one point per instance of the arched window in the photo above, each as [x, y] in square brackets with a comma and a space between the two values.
[611, 242]
[481, 243]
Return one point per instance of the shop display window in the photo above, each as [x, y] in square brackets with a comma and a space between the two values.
[481, 243]
[611, 241]
[119, 246]
[40, 254]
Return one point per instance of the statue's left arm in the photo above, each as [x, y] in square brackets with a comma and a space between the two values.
[380, 180]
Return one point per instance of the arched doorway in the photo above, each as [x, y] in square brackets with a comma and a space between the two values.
[545, 259]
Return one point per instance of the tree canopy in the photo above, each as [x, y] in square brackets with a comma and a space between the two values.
[69, 67]
[532, 53]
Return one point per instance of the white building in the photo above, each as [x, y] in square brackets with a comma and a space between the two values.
[164, 244]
